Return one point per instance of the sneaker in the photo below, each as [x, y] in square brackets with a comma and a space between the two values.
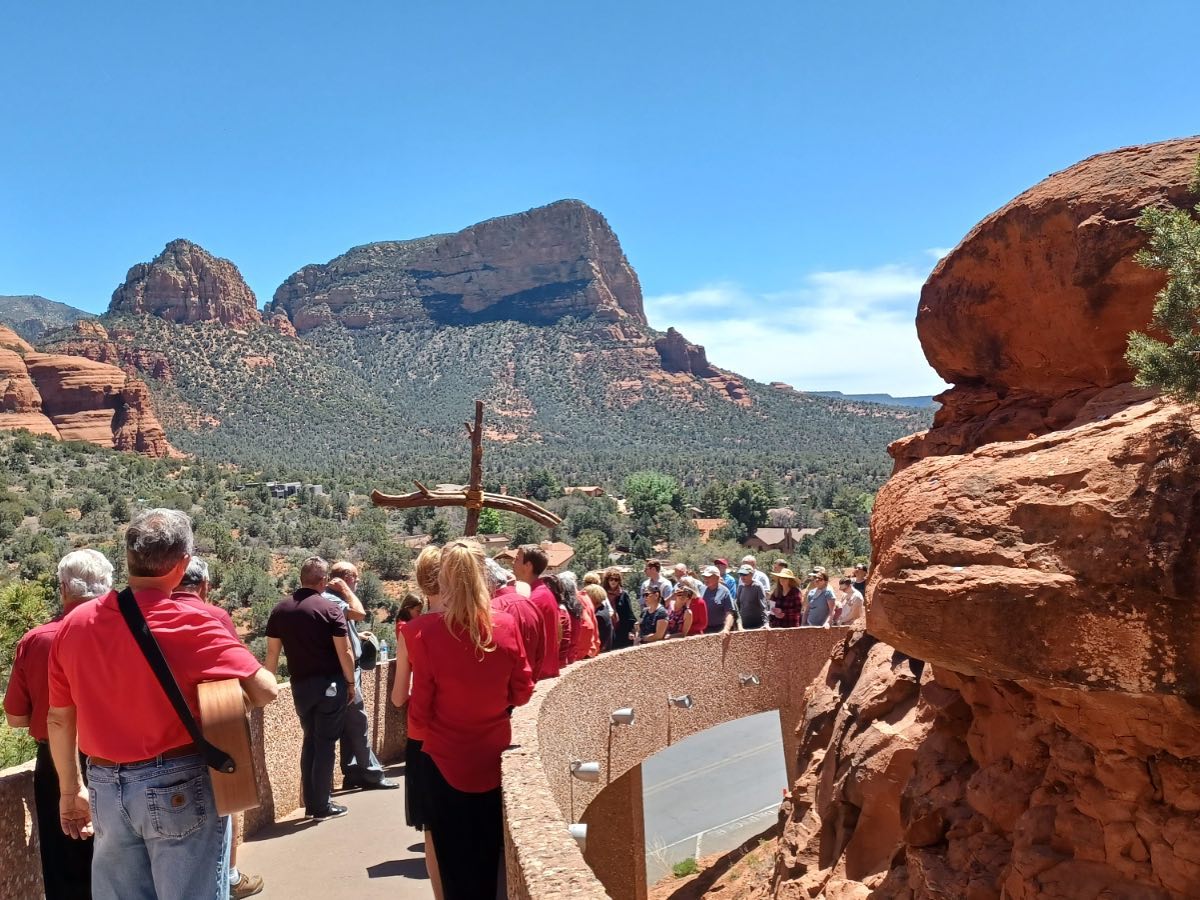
[383, 784]
[332, 811]
[247, 887]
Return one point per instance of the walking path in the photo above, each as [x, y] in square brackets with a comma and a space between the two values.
[369, 853]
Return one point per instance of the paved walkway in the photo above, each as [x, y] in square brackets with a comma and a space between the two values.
[369, 853]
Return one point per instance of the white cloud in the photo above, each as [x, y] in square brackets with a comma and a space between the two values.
[936, 253]
[850, 330]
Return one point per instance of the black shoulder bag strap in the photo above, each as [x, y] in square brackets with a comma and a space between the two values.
[214, 757]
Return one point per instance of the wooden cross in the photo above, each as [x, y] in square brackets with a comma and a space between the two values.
[474, 498]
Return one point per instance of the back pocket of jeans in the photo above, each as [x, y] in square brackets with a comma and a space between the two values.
[179, 809]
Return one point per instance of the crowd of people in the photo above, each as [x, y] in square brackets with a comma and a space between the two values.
[125, 804]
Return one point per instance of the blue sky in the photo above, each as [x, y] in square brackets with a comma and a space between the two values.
[782, 175]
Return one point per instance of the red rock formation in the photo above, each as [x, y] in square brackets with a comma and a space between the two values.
[536, 266]
[91, 340]
[1040, 548]
[10, 340]
[680, 355]
[185, 284]
[73, 398]
[1030, 313]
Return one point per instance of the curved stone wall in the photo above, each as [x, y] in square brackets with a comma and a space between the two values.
[568, 719]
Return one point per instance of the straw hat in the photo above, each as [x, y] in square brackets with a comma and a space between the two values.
[785, 573]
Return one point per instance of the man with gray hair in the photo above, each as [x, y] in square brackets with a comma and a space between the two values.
[83, 575]
[506, 598]
[152, 809]
[193, 588]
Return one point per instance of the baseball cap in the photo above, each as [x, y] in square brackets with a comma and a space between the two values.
[709, 571]
[745, 570]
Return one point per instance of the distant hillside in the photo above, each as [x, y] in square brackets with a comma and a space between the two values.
[882, 399]
[31, 316]
[369, 364]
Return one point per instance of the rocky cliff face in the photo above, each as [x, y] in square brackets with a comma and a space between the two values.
[1039, 549]
[185, 284]
[77, 399]
[538, 267]
[1029, 316]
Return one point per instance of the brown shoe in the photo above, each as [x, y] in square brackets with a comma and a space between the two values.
[247, 887]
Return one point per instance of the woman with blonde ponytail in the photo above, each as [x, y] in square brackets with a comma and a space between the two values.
[471, 659]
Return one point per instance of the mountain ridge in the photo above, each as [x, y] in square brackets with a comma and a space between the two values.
[32, 315]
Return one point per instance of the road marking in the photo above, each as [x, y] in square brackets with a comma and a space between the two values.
[720, 763]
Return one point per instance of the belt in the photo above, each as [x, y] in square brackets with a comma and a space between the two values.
[173, 753]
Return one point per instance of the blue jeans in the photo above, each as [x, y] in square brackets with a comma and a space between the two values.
[158, 835]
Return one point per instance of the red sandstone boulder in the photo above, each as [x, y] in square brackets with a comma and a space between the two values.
[1029, 316]
[78, 399]
[1042, 294]
[185, 284]
[10, 340]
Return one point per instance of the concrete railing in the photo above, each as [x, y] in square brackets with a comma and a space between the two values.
[276, 734]
[568, 720]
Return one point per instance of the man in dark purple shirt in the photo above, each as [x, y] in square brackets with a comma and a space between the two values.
[313, 634]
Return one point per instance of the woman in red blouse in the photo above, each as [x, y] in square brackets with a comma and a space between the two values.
[416, 763]
[472, 661]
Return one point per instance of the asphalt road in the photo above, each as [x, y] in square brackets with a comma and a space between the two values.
[712, 791]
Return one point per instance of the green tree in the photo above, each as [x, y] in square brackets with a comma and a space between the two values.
[748, 506]
[23, 604]
[649, 493]
[439, 531]
[541, 485]
[714, 500]
[489, 521]
[591, 551]
[1174, 246]
[523, 531]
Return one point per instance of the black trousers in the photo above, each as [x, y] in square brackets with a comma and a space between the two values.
[468, 837]
[321, 705]
[66, 862]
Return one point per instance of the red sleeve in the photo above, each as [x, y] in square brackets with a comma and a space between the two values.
[17, 701]
[60, 687]
[520, 679]
[420, 698]
[218, 655]
[699, 615]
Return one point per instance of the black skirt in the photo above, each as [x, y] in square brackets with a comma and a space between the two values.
[416, 785]
[468, 836]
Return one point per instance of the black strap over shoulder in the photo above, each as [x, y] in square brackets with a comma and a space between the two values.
[214, 757]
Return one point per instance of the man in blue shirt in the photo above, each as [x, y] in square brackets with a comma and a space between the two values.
[722, 614]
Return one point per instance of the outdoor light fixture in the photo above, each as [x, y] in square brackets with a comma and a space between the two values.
[749, 680]
[586, 771]
[622, 716]
[682, 702]
[579, 832]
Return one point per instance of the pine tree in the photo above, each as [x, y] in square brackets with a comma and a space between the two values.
[1174, 246]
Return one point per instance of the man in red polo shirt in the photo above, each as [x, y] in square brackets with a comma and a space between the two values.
[66, 863]
[528, 565]
[152, 808]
